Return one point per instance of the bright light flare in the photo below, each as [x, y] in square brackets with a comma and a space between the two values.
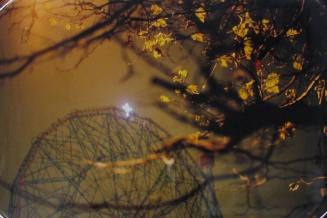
[127, 109]
[6, 4]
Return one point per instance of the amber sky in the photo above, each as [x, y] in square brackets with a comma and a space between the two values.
[30, 102]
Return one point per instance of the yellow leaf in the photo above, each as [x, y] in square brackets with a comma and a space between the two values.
[292, 32]
[162, 22]
[200, 13]
[198, 37]
[271, 83]
[156, 54]
[282, 135]
[224, 60]
[297, 65]
[246, 23]
[192, 89]
[265, 21]
[164, 99]
[163, 39]
[177, 79]
[290, 94]
[265, 24]
[240, 31]
[272, 79]
[244, 95]
[223, 63]
[155, 9]
[160, 39]
[246, 91]
[286, 130]
[180, 76]
[248, 49]
[182, 73]
[273, 90]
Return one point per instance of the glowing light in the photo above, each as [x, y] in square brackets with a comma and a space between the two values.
[6, 4]
[168, 161]
[127, 109]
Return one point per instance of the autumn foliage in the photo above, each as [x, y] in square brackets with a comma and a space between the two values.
[237, 70]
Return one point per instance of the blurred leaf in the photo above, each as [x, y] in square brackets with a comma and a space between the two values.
[200, 13]
[155, 9]
[198, 37]
[193, 89]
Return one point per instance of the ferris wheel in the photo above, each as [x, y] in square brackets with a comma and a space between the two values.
[56, 178]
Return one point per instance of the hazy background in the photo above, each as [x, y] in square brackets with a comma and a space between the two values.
[30, 102]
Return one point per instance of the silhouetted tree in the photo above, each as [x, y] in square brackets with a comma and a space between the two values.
[260, 70]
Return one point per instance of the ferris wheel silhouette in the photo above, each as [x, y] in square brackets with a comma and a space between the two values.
[54, 180]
